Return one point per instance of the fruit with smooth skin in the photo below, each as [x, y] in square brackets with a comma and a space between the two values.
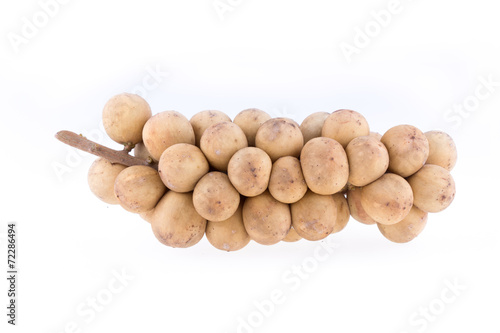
[124, 116]
[139, 188]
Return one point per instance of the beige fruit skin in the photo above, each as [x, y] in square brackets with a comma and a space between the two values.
[344, 125]
[343, 214]
[433, 188]
[124, 116]
[139, 188]
[376, 135]
[175, 222]
[181, 166]
[287, 183]
[407, 229]
[314, 216]
[368, 160]
[204, 119]
[292, 236]
[148, 215]
[388, 199]
[355, 208]
[228, 235]
[312, 125]
[249, 121]
[249, 170]
[442, 149]
[408, 149]
[324, 165]
[219, 142]
[164, 130]
[141, 151]
[280, 137]
[266, 220]
[215, 198]
[101, 179]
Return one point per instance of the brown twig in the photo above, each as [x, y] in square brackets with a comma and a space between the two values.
[114, 156]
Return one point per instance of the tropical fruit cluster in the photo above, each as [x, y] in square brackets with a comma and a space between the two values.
[270, 179]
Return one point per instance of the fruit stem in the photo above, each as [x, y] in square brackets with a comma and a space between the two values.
[114, 156]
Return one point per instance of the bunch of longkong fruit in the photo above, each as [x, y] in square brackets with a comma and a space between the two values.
[270, 179]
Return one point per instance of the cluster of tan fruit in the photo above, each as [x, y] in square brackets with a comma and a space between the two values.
[269, 179]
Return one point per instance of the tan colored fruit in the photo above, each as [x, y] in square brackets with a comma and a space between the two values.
[101, 179]
[324, 165]
[292, 236]
[124, 116]
[355, 208]
[181, 166]
[314, 216]
[287, 183]
[139, 188]
[204, 119]
[228, 235]
[164, 130]
[220, 141]
[215, 198]
[407, 229]
[142, 152]
[368, 160]
[148, 215]
[312, 126]
[442, 149]
[344, 125]
[433, 188]
[280, 137]
[388, 199]
[408, 149]
[343, 214]
[249, 121]
[249, 170]
[175, 222]
[376, 135]
[266, 220]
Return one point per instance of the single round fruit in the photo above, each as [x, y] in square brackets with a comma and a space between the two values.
[433, 188]
[204, 119]
[280, 137]
[408, 149]
[292, 236]
[181, 166]
[249, 121]
[215, 198]
[355, 208]
[249, 170]
[175, 222]
[312, 126]
[368, 160]
[220, 141]
[101, 178]
[344, 125]
[388, 199]
[324, 165]
[164, 130]
[139, 188]
[228, 235]
[124, 116]
[343, 214]
[442, 149]
[287, 183]
[266, 220]
[407, 229]
[314, 216]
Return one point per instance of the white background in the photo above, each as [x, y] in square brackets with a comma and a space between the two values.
[281, 56]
